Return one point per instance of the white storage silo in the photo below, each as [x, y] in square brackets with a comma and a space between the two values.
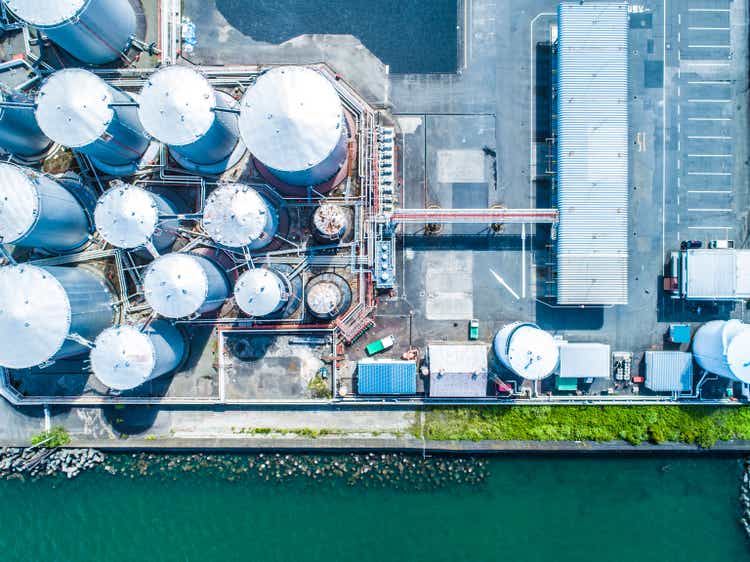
[260, 292]
[127, 216]
[20, 134]
[527, 350]
[79, 110]
[723, 348]
[236, 215]
[179, 108]
[40, 307]
[293, 123]
[179, 285]
[93, 31]
[328, 295]
[331, 223]
[125, 357]
[36, 211]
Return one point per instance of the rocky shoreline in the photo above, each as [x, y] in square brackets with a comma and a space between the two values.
[32, 462]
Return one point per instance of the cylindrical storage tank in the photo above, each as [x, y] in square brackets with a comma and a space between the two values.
[127, 216]
[260, 292]
[125, 357]
[93, 31]
[20, 134]
[237, 216]
[179, 285]
[528, 351]
[179, 108]
[331, 223]
[723, 348]
[75, 109]
[328, 295]
[293, 122]
[38, 212]
[41, 306]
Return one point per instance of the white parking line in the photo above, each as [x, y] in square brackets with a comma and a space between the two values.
[704, 137]
[710, 82]
[722, 191]
[709, 155]
[709, 119]
[698, 100]
[695, 28]
[709, 46]
[709, 173]
[710, 228]
[709, 210]
[708, 9]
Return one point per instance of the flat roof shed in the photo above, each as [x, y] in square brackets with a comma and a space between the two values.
[592, 153]
[584, 360]
[669, 371]
[457, 370]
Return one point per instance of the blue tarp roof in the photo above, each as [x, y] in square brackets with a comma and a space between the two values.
[386, 377]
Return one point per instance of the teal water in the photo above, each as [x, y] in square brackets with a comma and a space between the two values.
[545, 509]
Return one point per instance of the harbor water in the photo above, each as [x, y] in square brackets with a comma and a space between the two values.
[366, 509]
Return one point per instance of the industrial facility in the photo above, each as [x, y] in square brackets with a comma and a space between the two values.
[198, 234]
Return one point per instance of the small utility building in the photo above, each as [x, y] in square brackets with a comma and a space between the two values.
[716, 274]
[386, 377]
[457, 371]
[669, 371]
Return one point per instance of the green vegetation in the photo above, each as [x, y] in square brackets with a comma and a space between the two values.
[319, 388]
[55, 437]
[701, 425]
[301, 432]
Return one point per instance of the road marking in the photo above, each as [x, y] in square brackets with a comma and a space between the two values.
[710, 82]
[706, 137]
[709, 173]
[711, 191]
[701, 100]
[695, 28]
[709, 155]
[641, 140]
[709, 119]
[705, 63]
[709, 210]
[708, 9]
[709, 46]
[504, 284]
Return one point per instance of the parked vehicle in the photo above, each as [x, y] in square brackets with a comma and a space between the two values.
[474, 329]
[380, 345]
[721, 244]
[691, 244]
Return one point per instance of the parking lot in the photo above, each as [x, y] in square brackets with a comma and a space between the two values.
[706, 108]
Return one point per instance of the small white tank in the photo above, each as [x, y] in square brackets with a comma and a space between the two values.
[723, 348]
[260, 292]
[237, 216]
[527, 350]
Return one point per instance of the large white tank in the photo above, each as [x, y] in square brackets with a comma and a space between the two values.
[179, 285]
[723, 348]
[293, 122]
[78, 109]
[127, 216]
[36, 211]
[40, 307]
[260, 292]
[237, 216]
[93, 31]
[125, 357]
[181, 109]
[528, 351]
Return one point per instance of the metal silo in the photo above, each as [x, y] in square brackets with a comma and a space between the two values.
[81, 111]
[93, 31]
[127, 216]
[36, 211]
[723, 348]
[179, 285]
[260, 292]
[328, 295]
[331, 223]
[527, 350]
[292, 121]
[125, 357]
[179, 108]
[20, 134]
[41, 307]
[237, 216]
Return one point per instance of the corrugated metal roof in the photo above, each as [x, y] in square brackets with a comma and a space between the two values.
[718, 274]
[669, 371]
[592, 262]
[386, 377]
[585, 360]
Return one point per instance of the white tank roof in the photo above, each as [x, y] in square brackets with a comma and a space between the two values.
[73, 107]
[532, 353]
[175, 105]
[258, 292]
[235, 215]
[330, 219]
[323, 298]
[175, 285]
[123, 357]
[126, 216]
[291, 118]
[737, 351]
[19, 203]
[35, 316]
[45, 12]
